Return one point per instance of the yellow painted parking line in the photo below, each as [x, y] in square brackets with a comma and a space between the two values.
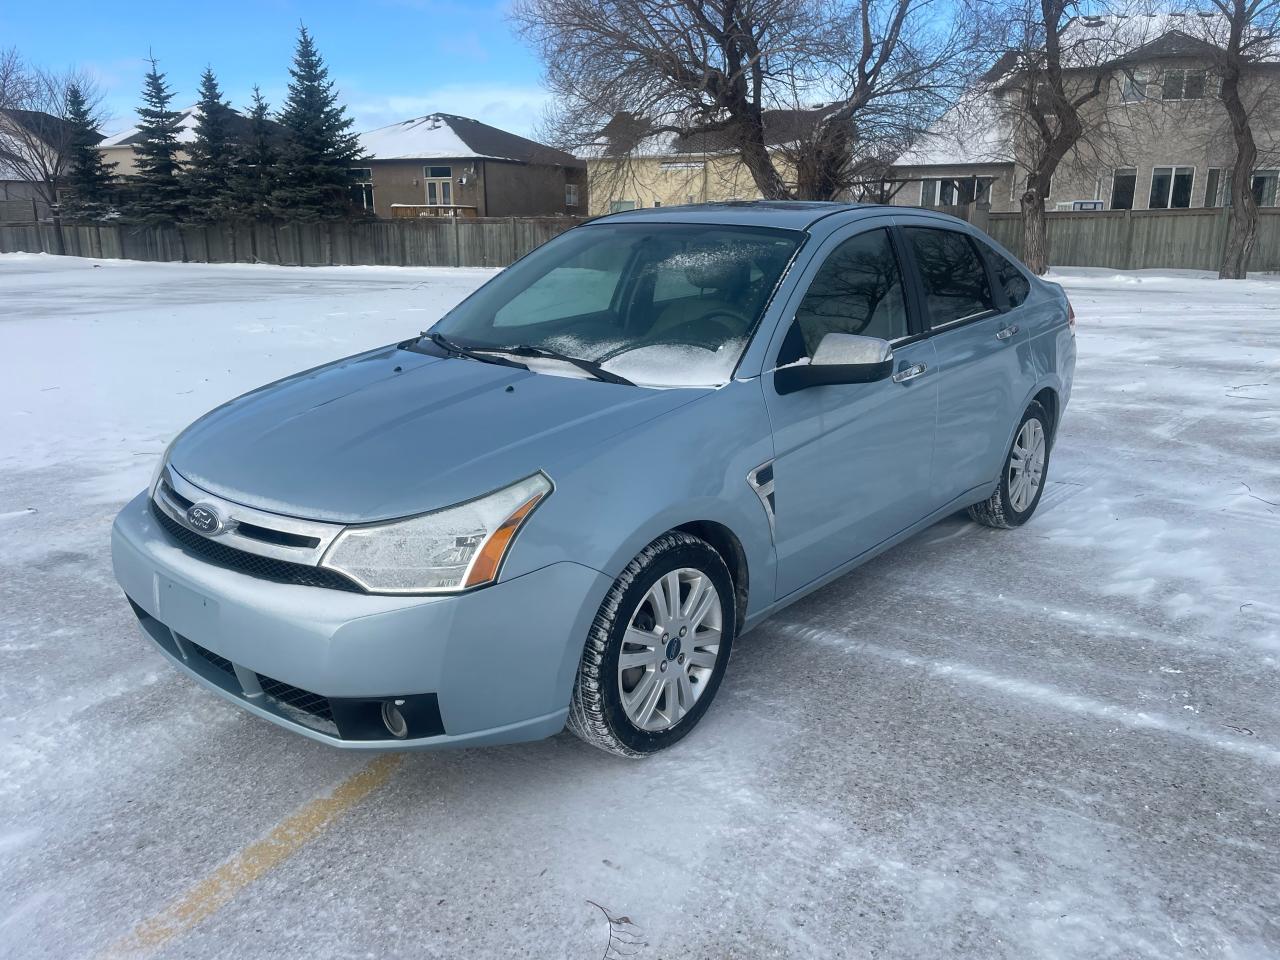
[288, 837]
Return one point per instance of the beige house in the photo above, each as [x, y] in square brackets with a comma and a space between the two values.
[1159, 137]
[445, 165]
[630, 167]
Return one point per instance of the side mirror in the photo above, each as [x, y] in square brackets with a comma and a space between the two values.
[840, 358]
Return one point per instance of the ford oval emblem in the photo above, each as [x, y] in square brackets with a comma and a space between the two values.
[204, 519]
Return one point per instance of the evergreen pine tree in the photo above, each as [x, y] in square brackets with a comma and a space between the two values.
[257, 160]
[88, 179]
[212, 155]
[158, 194]
[319, 148]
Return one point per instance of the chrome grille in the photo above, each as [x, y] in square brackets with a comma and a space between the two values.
[264, 568]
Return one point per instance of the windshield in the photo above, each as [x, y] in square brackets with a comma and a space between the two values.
[661, 304]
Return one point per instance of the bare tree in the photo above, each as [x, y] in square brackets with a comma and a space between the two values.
[848, 80]
[36, 137]
[1050, 87]
[1242, 42]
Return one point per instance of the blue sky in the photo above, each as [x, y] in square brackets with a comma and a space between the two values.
[391, 59]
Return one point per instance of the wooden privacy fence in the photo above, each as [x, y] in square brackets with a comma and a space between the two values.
[1140, 239]
[433, 242]
[1119, 239]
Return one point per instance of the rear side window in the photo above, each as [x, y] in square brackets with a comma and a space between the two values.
[952, 274]
[858, 289]
[1013, 281]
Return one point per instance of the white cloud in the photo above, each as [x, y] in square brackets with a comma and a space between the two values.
[510, 107]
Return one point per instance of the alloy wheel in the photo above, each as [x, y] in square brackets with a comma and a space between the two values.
[670, 649]
[1026, 465]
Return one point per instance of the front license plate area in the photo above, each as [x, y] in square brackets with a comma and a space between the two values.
[187, 612]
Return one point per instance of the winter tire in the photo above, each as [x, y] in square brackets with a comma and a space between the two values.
[657, 650]
[1022, 477]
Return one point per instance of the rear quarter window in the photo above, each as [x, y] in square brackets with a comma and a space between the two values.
[1012, 280]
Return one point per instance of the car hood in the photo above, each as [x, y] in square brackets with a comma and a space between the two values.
[391, 433]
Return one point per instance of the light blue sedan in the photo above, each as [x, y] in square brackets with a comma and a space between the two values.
[565, 501]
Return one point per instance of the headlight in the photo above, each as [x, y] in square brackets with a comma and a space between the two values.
[155, 474]
[442, 552]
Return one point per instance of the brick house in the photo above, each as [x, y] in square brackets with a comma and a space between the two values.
[445, 165]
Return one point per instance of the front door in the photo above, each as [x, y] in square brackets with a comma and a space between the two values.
[852, 461]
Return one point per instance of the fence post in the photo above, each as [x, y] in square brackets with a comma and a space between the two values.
[457, 245]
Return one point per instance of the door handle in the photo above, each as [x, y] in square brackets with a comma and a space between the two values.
[1006, 332]
[910, 373]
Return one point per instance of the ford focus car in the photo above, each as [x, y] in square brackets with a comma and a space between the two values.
[563, 502]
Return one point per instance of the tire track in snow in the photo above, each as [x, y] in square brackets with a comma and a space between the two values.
[1040, 693]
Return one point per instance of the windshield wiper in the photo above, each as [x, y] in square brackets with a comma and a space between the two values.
[543, 353]
[456, 349]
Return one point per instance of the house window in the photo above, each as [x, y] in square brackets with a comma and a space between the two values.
[1264, 184]
[1124, 182]
[570, 194]
[657, 203]
[1132, 89]
[617, 206]
[1171, 187]
[439, 183]
[1183, 85]
[955, 191]
[361, 188]
[1213, 187]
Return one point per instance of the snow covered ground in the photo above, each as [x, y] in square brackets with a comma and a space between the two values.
[1062, 741]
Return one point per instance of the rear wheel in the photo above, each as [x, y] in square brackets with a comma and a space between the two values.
[1023, 477]
[657, 649]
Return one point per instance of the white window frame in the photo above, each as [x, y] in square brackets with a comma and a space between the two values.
[365, 183]
[620, 206]
[570, 194]
[1272, 174]
[443, 185]
[1183, 73]
[1173, 169]
[1217, 200]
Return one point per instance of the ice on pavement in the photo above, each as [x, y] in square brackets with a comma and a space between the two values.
[1061, 741]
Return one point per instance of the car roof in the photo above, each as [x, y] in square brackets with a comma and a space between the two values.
[785, 214]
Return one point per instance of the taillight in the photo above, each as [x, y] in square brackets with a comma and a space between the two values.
[1071, 318]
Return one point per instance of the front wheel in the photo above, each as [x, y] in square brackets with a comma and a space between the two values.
[1023, 477]
[657, 649]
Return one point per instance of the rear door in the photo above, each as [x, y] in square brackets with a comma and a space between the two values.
[980, 379]
[852, 461]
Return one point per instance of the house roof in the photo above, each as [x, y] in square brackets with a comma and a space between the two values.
[629, 134]
[972, 132]
[46, 126]
[186, 129]
[446, 136]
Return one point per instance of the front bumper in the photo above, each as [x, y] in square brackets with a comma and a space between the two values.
[500, 661]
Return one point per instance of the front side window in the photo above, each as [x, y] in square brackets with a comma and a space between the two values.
[662, 304]
[620, 206]
[953, 276]
[858, 290]
[1171, 187]
[1123, 184]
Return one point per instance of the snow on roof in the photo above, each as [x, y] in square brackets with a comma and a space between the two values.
[446, 136]
[970, 132]
[419, 138]
[186, 132]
